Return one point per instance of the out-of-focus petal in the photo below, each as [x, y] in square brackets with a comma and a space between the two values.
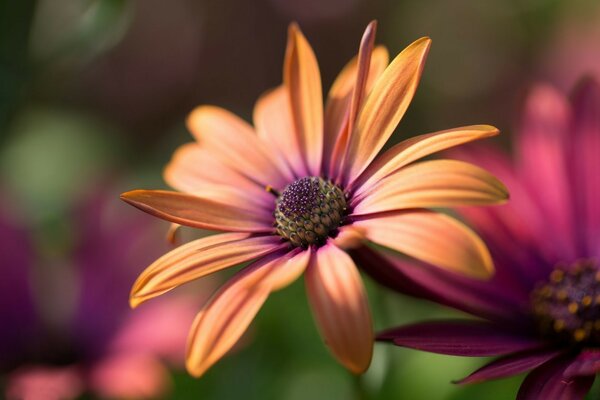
[385, 106]
[16, 297]
[512, 364]
[129, 376]
[502, 301]
[226, 317]
[339, 304]
[430, 184]
[460, 338]
[419, 147]
[193, 168]
[45, 383]
[302, 78]
[274, 125]
[544, 135]
[174, 315]
[586, 363]
[548, 382]
[199, 212]
[197, 259]
[585, 166]
[236, 144]
[431, 237]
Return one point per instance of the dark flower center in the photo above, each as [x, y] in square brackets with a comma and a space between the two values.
[568, 305]
[309, 210]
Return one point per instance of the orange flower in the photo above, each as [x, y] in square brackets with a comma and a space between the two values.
[304, 185]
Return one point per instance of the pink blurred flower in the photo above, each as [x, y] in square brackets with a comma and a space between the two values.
[541, 312]
[57, 344]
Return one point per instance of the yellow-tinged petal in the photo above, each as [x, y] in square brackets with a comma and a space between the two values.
[302, 78]
[349, 237]
[194, 167]
[275, 127]
[197, 259]
[339, 303]
[199, 212]
[432, 184]
[233, 140]
[385, 106]
[418, 147]
[368, 66]
[432, 237]
[227, 315]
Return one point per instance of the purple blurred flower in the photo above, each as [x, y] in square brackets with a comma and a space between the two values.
[541, 311]
[63, 337]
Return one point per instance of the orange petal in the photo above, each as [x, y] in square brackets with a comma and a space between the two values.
[199, 212]
[302, 78]
[349, 237]
[194, 167]
[339, 303]
[173, 234]
[275, 126]
[418, 147]
[235, 143]
[370, 64]
[197, 259]
[385, 106]
[226, 317]
[430, 184]
[431, 237]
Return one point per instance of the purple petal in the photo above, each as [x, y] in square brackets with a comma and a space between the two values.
[114, 246]
[586, 363]
[548, 382]
[488, 300]
[585, 163]
[16, 300]
[543, 165]
[512, 364]
[460, 338]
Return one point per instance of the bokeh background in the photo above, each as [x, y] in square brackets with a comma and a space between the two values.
[93, 97]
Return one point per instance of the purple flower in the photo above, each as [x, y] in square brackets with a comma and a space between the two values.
[66, 326]
[541, 311]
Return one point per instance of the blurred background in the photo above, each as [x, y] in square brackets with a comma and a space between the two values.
[93, 97]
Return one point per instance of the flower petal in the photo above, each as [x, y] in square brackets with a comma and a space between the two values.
[226, 317]
[349, 237]
[585, 168]
[494, 300]
[430, 184]
[460, 338]
[302, 78]
[235, 143]
[348, 105]
[548, 382]
[339, 304]
[586, 363]
[418, 147]
[431, 237]
[129, 376]
[275, 127]
[193, 168]
[385, 106]
[512, 364]
[197, 259]
[198, 212]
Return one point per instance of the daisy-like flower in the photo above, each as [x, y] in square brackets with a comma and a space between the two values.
[541, 311]
[304, 185]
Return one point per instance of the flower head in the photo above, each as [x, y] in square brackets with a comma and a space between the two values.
[55, 351]
[541, 311]
[305, 184]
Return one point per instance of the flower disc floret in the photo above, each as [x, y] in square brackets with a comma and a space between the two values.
[309, 210]
[568, 305]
